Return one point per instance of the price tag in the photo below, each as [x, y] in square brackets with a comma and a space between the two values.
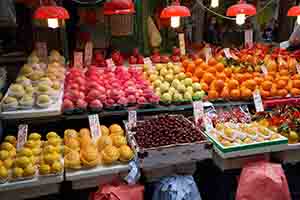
[208, 124]
[227, 53]
[110, 63]
[42, 50]
[132, 119]
[208, 54]
[264, 70]
[88, 53]
[148, 61]
[22, 135]
[285, 44]
[259, 107]
[78, 59]
[181, 44]
[298, 68]
[95, 126]
[198, 111]
[249, 37]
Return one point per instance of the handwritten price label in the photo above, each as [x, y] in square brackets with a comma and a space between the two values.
[198, 111]
[78, 59]
[208, 54]
[95, 126]
[227, 53]
[264, 70]
[181, 44]
[259, 107]
[110, 63]
[22, 135]
[88, 53]
[132, 118]
[249, 37]
[148, 62]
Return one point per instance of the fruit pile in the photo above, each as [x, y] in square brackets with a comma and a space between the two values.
[233, 134]
[166, 130]
[172, 85]
[37, 86]
[7, 157]
[98, 88]
[82, 152]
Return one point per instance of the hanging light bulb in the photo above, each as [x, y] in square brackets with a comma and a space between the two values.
[214, 3]
[175, 22]
[175, 11]
[240, 19]
[294, 12]
[53, 23]
[298, 19]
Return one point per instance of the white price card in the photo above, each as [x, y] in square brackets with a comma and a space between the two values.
[227, 53]
[42, 50]
[208, 124]
[208, 54]
[198, 111]
[181, 44]
[132, 119]
[249, 37]
[264, 70]
[284, 45]
[148, 62]
[88, 53]
[298, 68]
[259, 107]
[110, 63]
[22, 135]
[95, 126]
[78, 59]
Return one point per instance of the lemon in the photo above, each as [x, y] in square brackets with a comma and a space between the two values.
[8, 163]
[51, 135]
[126, 153]
[22, 161]
[1, 163]
[228, 132]
[3, 172]
[248, 141]
[11, 139]
[54, 141]
[17, 172]
[49, 149]
[104, 130]
[70, 133]
[119, 140]
[226, 143]
[29, 170]
[116, 129]
[51, 157]
[274, 136]
[7, 146]
[12, 153]
[58, 149]
[57, 167]
[103, 142]
[293, 137]
[44, 169]
[36, 151]
[34, 136]
[4, 154]
[30, 144]
[25, 152]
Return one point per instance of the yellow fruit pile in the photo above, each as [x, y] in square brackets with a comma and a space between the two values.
[112, 145]
[71, 149]
[7, 156]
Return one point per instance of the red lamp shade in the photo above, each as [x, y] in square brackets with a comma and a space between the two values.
[51, 12]
[175, 10]
[119, 7]
[294, 11]
[241, 8]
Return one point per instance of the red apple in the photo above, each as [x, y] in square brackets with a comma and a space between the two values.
[132, 60]
[68, 104]
[164, 59]
[80, 103]
[140, 60]
[176, 51]
[135, 52]
[96, 104]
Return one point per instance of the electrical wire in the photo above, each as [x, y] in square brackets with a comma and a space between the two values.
[233, 18]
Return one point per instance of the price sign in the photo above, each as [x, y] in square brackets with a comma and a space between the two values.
[88, 53]
[208, 54]
[95, 126]
[227, 53]
[298, 68]
[78, 59]
[132, 119]
[110, 63]
[181, 44]
[264, 70]
[148, 62]
[284, 44]
[198, 111]
[42, 50]
[208, 124]
[22, 135]
[249, 37]
[259, 107]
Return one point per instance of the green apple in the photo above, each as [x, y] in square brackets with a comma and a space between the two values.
[187, 96]
[181, 88]
[175, 83]
[196, 87]
[157, 91]
[188, 82]
[152, 77]
[166, 97]
[190, 90]
[157, 83]
[169, 77]
[198, 95]
[161, 78]
[172, 90]
[170, 71]
[176, 69]
[181, 76]
[158, 67]
[170, 65]
[164, 87]
[163, 72]
[177, 96]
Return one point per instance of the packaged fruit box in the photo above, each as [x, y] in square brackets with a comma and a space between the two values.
[241, 139]
[166, 140]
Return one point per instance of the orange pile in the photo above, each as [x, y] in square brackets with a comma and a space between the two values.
[221, 82]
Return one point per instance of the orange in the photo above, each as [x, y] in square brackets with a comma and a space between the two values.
[257, 74]
[258, 80]
[296, 84]
[273, 91]
[211, 70]
[189, 74]
[198, 72]
[281, 84]
[213, 94]
[233, 84]
[225, 94]
[204, 86]
[219, 85]
[221, 75]
[219, 67]
[208, 77]
[247, 76]
[212, 61]
[198, 61]
[195, 79]
[239, 77]
[265, 94]
[296, 77]
[269, 78]
[282, 92]
[235, 94]
[250, 84]
[190, 67]
[295, 92]
[185, 63]
[289, 85]
[286, 78]
[203, 66]
[266, 85]
[284, 72]
[228, 72]
[273, 74]
[246, 93]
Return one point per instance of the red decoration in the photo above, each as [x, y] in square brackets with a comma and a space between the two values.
[294, 11]
[241, 8]
[119, 7]
[175, 10]
[51, 12]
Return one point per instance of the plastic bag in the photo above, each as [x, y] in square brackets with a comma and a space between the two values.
[119, 192]
[7, 13]
[176, 188]
[263, 181]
